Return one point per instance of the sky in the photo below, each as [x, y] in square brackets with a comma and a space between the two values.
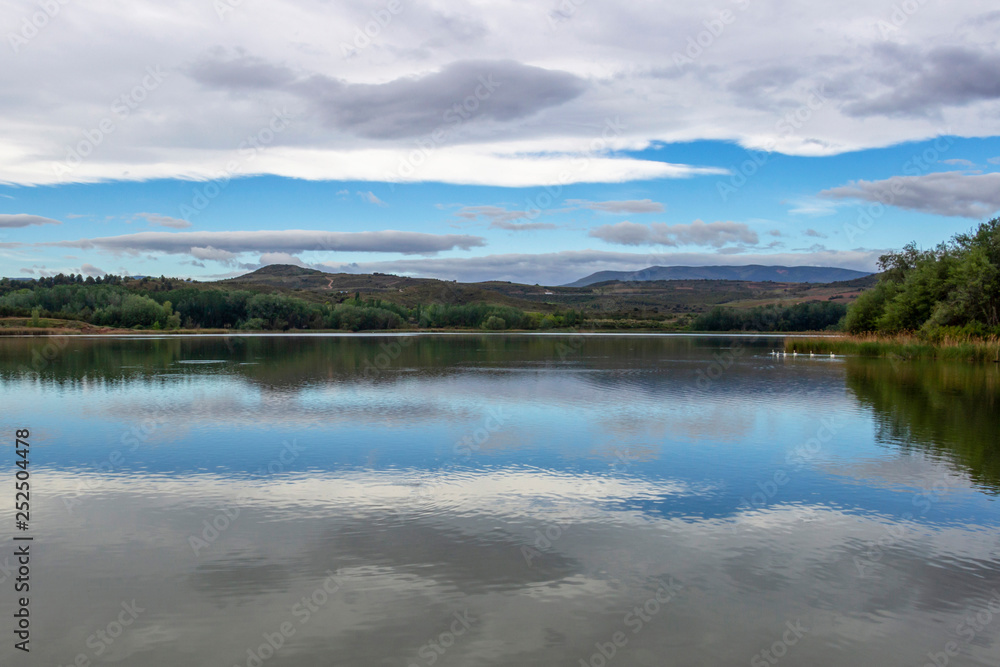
[535, 141]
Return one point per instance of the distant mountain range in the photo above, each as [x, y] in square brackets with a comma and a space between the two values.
[752, 272]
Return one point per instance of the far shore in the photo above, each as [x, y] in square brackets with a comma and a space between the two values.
[111, 332]
[900, 347]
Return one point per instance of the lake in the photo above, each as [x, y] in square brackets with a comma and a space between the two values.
[499, 500]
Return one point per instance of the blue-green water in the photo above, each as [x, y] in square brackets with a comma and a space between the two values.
[499, 500]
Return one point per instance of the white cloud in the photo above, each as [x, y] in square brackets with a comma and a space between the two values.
[91, 270]
[164, 221]
[812, 207]
[714, 234]
[369, 197]
[521, 226]
[503, 218]
[214, 254]
[949, 193]
[366, 116]
[491, 213]
[226, 245]
[280, 258]
[959, 162]
[624, 206]
[24, 220]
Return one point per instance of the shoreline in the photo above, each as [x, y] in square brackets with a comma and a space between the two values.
[107, 332]
[900, 347]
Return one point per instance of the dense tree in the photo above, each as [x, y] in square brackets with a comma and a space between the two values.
[951, 289]
[809, 316]
[154, 303]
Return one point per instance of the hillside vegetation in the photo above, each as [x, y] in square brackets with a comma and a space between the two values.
[282, 297]
[952, 290]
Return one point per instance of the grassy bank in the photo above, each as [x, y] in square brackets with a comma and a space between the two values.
[900, 347]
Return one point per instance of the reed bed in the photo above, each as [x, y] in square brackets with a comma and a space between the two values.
[906, 347]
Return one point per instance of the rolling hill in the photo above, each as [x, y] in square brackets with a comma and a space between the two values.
[641, 298]
[751, 272]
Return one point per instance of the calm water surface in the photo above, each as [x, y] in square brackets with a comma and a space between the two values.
[500, 500]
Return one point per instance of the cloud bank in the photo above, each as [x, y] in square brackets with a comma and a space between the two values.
[713, 234]
[947, 193]
[10, 221]
[484, 92]
[559, 268]
[226, 245]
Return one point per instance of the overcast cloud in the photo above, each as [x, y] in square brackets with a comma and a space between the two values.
[226, 245]
[25, 220]
[628, 206]
[948, 193]
[533, 92]
[557, 130]
[714, 234]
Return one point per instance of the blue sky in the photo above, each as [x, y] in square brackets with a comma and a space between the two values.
[478, 141]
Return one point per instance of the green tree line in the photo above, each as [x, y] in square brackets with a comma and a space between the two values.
[950, 290]
[164, 304]
[808, 316]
